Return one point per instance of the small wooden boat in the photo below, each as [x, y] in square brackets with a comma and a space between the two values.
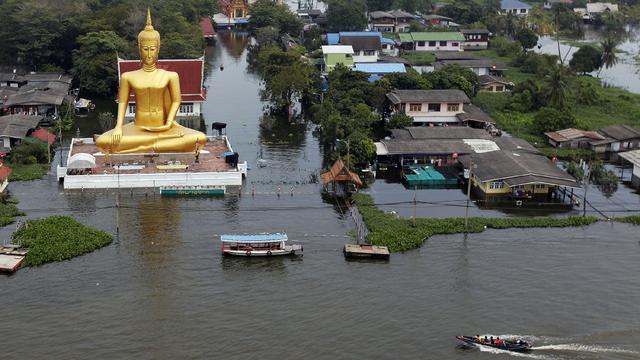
[516, 345]
[258, 245]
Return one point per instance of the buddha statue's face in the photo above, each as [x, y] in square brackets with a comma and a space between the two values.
[149, 50]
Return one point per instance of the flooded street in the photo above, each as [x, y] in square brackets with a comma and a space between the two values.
[162, 289]
[625, 74]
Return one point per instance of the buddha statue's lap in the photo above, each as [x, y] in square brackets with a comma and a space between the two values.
[155, 128]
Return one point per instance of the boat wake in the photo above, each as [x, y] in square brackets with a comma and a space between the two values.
[585, 348]
[512, 353]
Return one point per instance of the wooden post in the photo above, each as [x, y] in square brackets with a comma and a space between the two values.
[466, 214]
[414, 205]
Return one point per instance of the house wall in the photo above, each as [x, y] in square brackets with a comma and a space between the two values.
[389, 49]
[424, 109]
[500, 188]
[494, 88]
[475, 45]
[448, 45]
[331, 60]
[360, 57]
[3, 185]
[635, 177]
[6, 142]
[519, 12]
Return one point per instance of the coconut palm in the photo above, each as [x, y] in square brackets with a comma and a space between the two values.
[557, 87]
[609, 58]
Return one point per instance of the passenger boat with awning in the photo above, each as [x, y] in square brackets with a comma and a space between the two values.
[258, 245]
[517, 345]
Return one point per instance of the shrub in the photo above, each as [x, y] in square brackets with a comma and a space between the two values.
[58, 238]
[551, 119]
[505, 47]
[32, 152]
[399, 121]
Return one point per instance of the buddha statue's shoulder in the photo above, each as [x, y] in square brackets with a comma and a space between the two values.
[168, 74]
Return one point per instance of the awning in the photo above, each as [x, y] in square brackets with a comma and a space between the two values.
[255, 238]
[81, 161]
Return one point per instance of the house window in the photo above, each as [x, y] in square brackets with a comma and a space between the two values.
[496, 185]
[369, 52]
[239, 13]
[455, 44]
[420, 43]
[523, 11]
[434, 107]
[540, 186]
[186, 108]
[453, 107]
[415, 107]
[132, 108]
[443, 43]
[432, 43]
[348, 56]
[499, 88]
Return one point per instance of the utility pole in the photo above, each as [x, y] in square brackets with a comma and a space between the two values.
[585, 183]
[415, 205]
[466, 215]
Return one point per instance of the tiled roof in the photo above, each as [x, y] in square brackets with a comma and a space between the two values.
[207, 27]
[191, 72]
[18, 125]
[339, 172]
[44, 135]
[5, 171]
[620, 132]
[571, 133]
[447, 95]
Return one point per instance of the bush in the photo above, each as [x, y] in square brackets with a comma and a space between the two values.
[551, 119]
[58, 238]
[28, 153]
[505, 47]
[399, 234]
[399, 121]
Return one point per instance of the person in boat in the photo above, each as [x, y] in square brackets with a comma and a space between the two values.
[478, 338]
[491, 340]
[498, 342]
[486, 340]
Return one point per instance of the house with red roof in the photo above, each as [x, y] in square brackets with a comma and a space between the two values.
[191, 72]
[44, 135]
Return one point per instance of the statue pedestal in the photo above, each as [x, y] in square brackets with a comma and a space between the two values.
[155, 170]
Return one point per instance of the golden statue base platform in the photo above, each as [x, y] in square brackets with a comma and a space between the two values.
[150, 170]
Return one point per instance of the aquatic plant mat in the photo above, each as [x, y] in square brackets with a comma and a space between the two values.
[399, 234]
[58, 238]
[8, 212]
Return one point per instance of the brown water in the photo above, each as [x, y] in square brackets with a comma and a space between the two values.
[162, 289]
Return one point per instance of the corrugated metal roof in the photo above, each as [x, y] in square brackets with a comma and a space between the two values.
[620, 132]
[18, 125]
[207, 27]
[337, 49]
[443, 95]
[405, 37]
[254, 238]
[437, 36]
[380, 68]
[333, 38]
[190, 72]
[631, 156]
[513, 4]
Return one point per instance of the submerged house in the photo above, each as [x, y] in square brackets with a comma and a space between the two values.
[429, 106]
[191, 72]
[340, 180]
[573, 138]
[634, 158]
[36, 94]
[14, 128]
[617, 138]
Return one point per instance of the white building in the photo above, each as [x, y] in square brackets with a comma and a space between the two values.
[432, 41]
[514, 7]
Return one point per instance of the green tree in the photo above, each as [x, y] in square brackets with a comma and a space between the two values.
[609, 58]
[399, 121]
[557, 87]
[550, 119]
[454, 77]
[95, 61]
[586, 59]
[361, 148]
[266, 13]
[527, 39]
[346, 15]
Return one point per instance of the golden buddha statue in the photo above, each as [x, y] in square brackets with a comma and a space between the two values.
[157, 94]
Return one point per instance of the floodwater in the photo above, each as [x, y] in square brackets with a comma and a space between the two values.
[162, 289]
[625, 74]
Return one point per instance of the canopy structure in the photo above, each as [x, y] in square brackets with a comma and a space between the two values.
[81, 161]
[253, 238]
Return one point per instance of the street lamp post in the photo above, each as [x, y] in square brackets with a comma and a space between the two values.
[346, 142]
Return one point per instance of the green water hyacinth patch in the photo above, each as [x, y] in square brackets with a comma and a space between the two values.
[399, 234]
[58, 238]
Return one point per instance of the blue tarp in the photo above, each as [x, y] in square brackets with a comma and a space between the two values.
[380, 68]
[385, 40]
[333, 38]
[253, 238]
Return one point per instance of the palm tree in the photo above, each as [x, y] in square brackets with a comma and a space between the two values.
[609, 58]
[556, 85]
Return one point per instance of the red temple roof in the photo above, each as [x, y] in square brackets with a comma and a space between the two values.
[207, 27]
[44, 135]
[191, 72]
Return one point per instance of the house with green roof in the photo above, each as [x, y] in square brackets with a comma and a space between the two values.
[432, 41]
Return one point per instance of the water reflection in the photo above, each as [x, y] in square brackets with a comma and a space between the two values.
[275, 265]
[234, 42]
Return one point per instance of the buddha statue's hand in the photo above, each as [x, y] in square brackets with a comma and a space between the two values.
[116, 135]
[164, 127]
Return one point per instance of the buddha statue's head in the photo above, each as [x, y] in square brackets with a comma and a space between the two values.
[149, 43]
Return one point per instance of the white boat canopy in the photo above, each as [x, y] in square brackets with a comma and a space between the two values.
[81, 161]
[254, 238]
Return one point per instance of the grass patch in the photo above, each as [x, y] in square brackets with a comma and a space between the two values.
[399, 234]
[419, 58]
[22, 172]
[58, 238]
[634, 219]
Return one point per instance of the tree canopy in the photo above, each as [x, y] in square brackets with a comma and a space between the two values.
[346, 15]
[586, 59]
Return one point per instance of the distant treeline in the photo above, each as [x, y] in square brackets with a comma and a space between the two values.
[83, 37]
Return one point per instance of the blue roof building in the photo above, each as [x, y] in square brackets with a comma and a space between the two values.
[515, 7]
[377, 70]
